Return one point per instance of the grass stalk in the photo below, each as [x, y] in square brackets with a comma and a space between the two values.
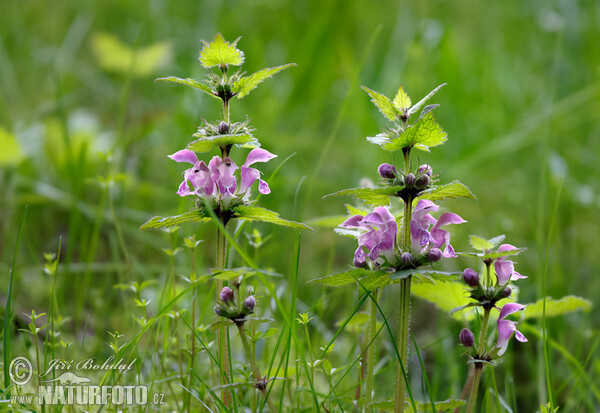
[372, 331]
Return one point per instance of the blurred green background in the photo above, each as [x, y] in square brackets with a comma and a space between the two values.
[520, 109]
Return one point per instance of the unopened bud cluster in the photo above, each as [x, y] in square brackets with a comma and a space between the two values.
[233, 310]
[413, 182]
[487, 297]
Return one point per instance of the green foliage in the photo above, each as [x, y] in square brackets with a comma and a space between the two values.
[252, 213]
[220, 53]
[242, 140]
[244, 85]
[494, 255]
[115, 56]
[196, 215]
[383, 103]
[424, 134]
[454, 189]
[191, 83]
[11, 153]
[445, 295]
[481, 244]
[420, 103]
[421, 406]
[558, 307]
[370, 196]
[402, 101]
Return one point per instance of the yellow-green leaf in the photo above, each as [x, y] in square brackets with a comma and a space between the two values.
[558, 307]
[479, 243]
[11, 153]
[189, 82]
[246, 84]
[220, 53]
[454, 189]
[383, 103]
[402, 101]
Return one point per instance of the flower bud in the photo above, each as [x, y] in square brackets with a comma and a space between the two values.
[223, 128]
[387, 171]
[434, 255]
[406, 258]
[249, 303]
[226, 295]
[466, 337]
[409, 180]
[507, 292]
[423, 181]
[219, 311]
[425, 170]
[471, 277]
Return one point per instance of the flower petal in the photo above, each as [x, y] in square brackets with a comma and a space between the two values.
[185, 155]
[263, 187]
[510, 308]
[448, 218]
[519, 336]
[258, 155]
[248, 176]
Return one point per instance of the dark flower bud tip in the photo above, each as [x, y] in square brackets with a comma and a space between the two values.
[423, 181]
[466, 337]
[425, 170]
[471, 277]
[409, 180]
[223, 128]
[434, 255]
[507, 292]
[226, 295]
[406, 258]
[249, 303]
[387, 171]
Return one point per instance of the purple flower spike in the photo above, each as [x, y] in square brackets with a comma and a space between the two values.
[441, 237]
[506, 327]
[466, 337]
[387, 171]
[379, 238]
[250, 175]
[505, 269]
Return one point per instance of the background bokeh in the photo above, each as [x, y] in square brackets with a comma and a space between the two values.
[78, 104]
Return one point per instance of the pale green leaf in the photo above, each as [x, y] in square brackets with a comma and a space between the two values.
[252, 213]
[424, 134]
[495, 254]
[370, 196]
[402, 101]
[425, 275]
[383, 103]
[246, 84]
[366, 277]
[115, 56]
[220, 53]
[196, 215]
[424, 100]
[445, 295]
[352, 210]
[218, 141]
[11, 153]
[558, 307]
[189, 82]
[454, 189]
[479, 243]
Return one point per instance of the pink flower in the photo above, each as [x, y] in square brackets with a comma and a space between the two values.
[506, 327]
[505, 268]
[425, 230]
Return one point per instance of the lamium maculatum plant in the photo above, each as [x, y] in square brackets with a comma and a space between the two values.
[220, 189]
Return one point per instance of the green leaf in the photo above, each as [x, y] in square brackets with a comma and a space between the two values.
[11, 153]
[196, 215]
[252, 213]
[493, 255]
[446, 296]
[424, 100]
[369, 279]
[206, 144]
[554, 307]
[191, 83]
[352, 210]
[220, 53]
[115, 56]
[246, 84]
[402, 101]
[454, 189]
[370, 196]
[383, 103]
[425, 133]
[479, 243]
[420, 406]
[425, 275]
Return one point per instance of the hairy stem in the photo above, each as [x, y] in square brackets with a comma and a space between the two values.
[478, 365]
[261, 383]
[372, 349]
[222, 338]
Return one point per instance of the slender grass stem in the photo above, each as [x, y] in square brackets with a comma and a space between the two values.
[260, 381]
[371, 351]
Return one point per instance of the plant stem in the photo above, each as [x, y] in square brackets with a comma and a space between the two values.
[222, 338]
[372, 350]
[404, 308]
[261, 383]
[478, 365]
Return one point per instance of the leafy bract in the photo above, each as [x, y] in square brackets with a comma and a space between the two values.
[195, 215]
[402, 101]
[479, 243]
[252, 213]
[246, 84]
[558, 307]
[220, 53]
[424, 134]
[190, 82]
[383, 103]
[205, 144]
[454, 189]
[420, 103]
[115, 56]
[370, 196]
